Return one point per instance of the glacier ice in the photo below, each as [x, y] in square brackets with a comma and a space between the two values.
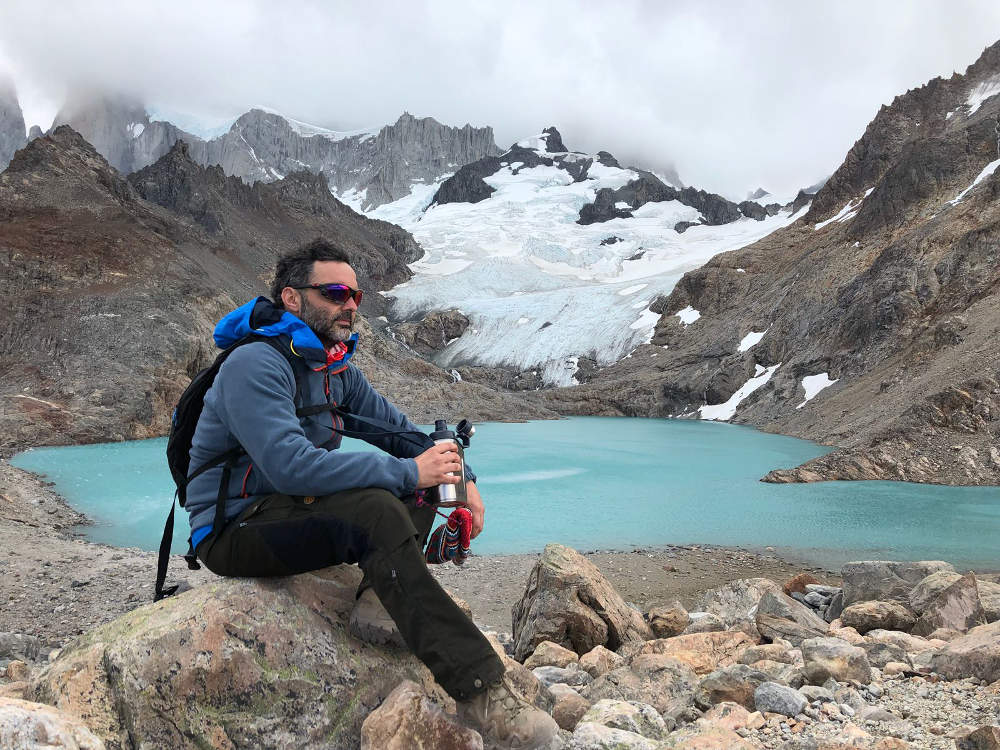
[540, 289]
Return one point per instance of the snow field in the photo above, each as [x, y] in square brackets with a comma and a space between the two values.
[724, 412]
[521, 255]
[813, 384]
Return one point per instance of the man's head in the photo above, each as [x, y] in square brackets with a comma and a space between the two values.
[296, 279]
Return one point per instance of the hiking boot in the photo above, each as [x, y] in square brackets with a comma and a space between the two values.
[506, 720]
[371, 623]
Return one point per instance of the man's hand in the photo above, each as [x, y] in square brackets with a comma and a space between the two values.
[476, 506]
[436, 464]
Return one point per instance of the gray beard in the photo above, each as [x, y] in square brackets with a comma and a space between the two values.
[324, 326]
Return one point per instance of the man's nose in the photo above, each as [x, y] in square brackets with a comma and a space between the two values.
[350, 304]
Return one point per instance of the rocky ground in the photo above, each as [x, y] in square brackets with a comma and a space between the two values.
[711, 652]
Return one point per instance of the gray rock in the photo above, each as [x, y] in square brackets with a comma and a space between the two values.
[772, 628]
[735, 684]
[656, 679]
[956, 607]
[632, 716]
[835, 608]
[822, 588]
[817, 693]
[779, 699]
[880, 654]
[704, 622]
[568, 601]
[883, 580]
[928, 588]
[735, 603]
[590, 736]
[816, 599]
[976, 654]
[779, 605]
[826, 658]
[573, 676]
[877, 615]
[19, 646]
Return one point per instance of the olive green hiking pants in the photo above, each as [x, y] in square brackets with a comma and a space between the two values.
[282, 535]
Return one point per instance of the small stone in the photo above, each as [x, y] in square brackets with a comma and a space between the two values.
[17, 671]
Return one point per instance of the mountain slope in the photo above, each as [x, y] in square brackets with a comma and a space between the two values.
[871, 323]
[111, 298]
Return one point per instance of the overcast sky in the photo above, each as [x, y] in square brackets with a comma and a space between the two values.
[734, 94]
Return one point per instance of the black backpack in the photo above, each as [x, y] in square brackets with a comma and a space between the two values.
[182, 428]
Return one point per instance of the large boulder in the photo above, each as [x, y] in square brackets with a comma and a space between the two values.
[927, 590]
[409, 719]
[976, 654]
[831, 657]
[770, 697]
[702, 652]
[236, 662]
[957, 607]
[884, 580]
[661, 681]
[568, 601]
[989, 597]
[24, 724]
[735, 603]
[773, 628]
[875, 615]
[780, 605]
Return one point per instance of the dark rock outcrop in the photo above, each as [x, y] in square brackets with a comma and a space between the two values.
[467, 184]
[649, 188]
[433, 332]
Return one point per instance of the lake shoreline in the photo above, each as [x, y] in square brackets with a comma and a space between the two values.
[51, 569]
[56, 585]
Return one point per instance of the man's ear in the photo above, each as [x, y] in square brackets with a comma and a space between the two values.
[291, 300]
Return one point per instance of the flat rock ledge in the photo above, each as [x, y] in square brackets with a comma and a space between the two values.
[270, 663]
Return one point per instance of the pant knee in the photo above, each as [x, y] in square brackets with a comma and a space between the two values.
[387, 519]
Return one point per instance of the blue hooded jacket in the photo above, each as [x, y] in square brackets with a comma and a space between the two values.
[252, 403]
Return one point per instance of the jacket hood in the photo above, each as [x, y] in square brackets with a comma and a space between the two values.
[261, 317]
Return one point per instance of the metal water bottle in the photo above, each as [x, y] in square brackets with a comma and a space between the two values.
[447, 493]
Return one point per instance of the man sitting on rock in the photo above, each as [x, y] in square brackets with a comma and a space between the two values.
[292, 502]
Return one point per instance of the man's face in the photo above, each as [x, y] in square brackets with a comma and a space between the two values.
[330, 322]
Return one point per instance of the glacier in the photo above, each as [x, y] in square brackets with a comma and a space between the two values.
[541, 290]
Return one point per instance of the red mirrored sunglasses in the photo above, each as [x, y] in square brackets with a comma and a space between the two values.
[338, 293]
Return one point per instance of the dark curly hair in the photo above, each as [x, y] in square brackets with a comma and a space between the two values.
[295, 268]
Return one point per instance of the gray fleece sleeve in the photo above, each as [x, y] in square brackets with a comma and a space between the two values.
[361, 398]
[256, 400]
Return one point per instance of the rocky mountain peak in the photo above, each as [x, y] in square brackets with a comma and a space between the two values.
[554, 142]
[11, 122]
[62, 168]
[911, 133]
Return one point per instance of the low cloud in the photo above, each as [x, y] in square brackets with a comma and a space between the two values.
[733, 95]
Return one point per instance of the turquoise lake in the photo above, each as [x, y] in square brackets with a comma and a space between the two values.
[605, 483]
